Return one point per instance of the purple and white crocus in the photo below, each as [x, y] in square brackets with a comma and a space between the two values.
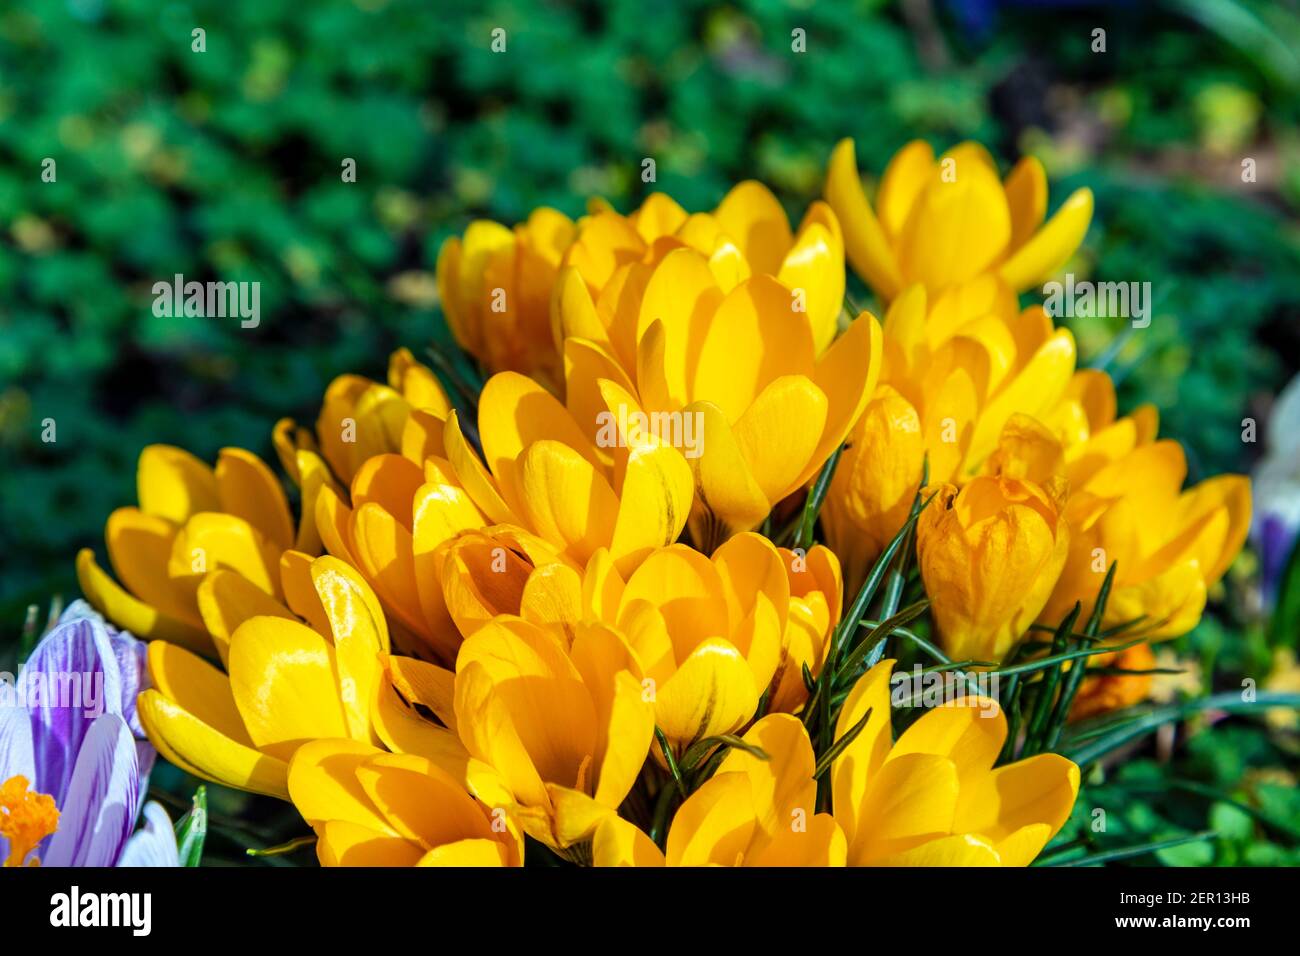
[1275, 527]
[69, 728]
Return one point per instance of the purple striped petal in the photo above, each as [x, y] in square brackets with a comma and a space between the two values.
[71, 678]
[131, 662]
[155, 843]
[16, 755]
[98, 815]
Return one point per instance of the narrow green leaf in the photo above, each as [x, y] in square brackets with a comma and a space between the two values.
[813, 505]
[192, 829]
[837, 748]
[289, 846]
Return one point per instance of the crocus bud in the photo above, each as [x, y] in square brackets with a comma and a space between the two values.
[989, 555]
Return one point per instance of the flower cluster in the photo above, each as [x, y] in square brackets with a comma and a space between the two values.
[584, 615]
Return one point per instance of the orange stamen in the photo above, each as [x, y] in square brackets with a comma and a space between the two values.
[26, 818]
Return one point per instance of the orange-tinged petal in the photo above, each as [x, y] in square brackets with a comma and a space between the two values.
[820, 843]
[1026, 189]
[385, 554]
[340, 843]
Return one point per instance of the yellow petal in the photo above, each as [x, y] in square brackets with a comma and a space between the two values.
[1041, 789]
[846, 374]
[227, 600]
[818, 843]
[140, 547]
[715, 824]
[1026, 189]
[420, 801]
[780, 432]
[210, 540]
[248, 488]
[964, 732]
[960, 224]
[463, 853]
[567, 500]
[473, 477]
[133, 615]
[195, 685]
[753, 218]
[656, 498]
[360, 636]
[864, 240]
[196, 748]
[340, 843]
[909, 801]
[324, 787]
[681, 295]
[1051, 247]
[728, 498]
[711, 693]
[283, 678]
[908, 173]
[858, 762]
[173, 484]
[816, 265]
[619, 843]
[385, 554]
[964, 849]
[756, 335]
[784, 792]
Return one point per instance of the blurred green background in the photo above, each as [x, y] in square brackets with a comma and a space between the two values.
[226, 165]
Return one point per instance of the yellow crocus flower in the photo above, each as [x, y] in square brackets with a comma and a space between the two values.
[372, 808]
[989, 555]
[286, 682]
[816, 602]
[361, 418]
[751, 812]
[544, 497]
[558, 735]
[192, 519]
[1169, 545]
[949, 221]
[734, 373]
[748, 234]
[933, 797]
[495, 285]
